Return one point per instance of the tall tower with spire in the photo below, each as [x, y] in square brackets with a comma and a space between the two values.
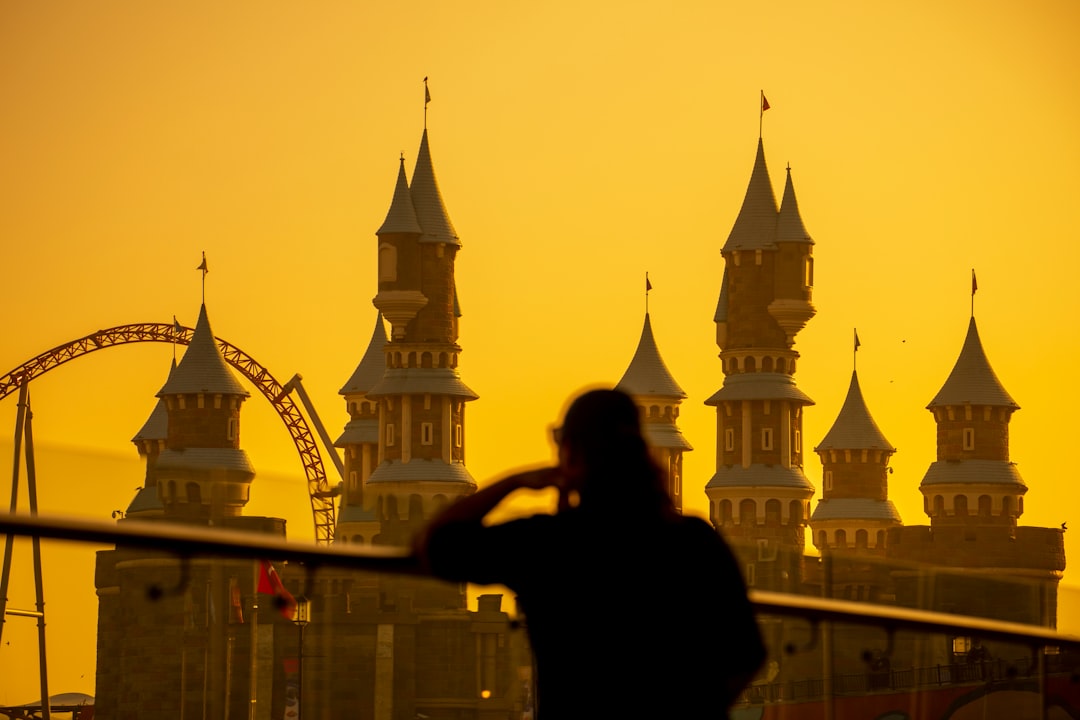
[658, 396]
[759, 496]
[421, 397]
[987, 565]
[852, 519]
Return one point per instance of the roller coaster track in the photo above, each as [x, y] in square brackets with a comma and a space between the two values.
[322, 496]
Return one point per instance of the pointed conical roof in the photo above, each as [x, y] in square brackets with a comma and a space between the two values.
[722, 302]
[647, 374]
[156, 426]
[430, 210]
[755, 227]
[972, 380]
[401, 218]
[789, 224]
[854, 428]
[372, 365]
[202, 369]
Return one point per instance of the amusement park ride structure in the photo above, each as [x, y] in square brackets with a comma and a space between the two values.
[319, 488]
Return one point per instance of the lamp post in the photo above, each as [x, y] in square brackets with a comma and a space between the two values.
[302, 618]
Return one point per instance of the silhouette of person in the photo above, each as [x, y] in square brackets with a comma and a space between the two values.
[632, 609]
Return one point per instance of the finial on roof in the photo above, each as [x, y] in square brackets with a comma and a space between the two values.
[761, 116]
[427, 99]
[974, 287]
[205, 269]
[855, 354]
[648, 287]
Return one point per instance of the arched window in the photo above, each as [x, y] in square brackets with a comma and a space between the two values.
[416, 507]
[767, 364]
[725, 512]
[939, 506]
[391, 507]
[841, 539]
[747, 512]
[781, 365]
[795, 510]
[1006, 506]
[194, 493]
[387, 263]
[358, 539]
[772, 513]
[862, 539]
[960, 505]
[984, 506]
[823, 539]
[880, 539]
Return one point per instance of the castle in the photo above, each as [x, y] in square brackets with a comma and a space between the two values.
[393, 647]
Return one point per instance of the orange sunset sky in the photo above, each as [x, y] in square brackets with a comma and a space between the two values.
[577, 146]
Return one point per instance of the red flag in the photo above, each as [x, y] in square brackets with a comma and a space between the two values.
[764, 103]
[270, 584]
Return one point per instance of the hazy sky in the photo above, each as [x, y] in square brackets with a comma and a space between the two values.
[577, 146]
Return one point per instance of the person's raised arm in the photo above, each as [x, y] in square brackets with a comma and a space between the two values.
[472, 509]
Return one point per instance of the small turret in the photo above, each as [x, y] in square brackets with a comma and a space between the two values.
[855, 512]
[150, 441]
[658, 396]
[203, 473]
[360, 441]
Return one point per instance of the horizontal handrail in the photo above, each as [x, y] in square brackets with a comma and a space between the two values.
[186, 540]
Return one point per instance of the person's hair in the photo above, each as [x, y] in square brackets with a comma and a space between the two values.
[602, 431]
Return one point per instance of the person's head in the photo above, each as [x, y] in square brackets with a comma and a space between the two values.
[604, 456]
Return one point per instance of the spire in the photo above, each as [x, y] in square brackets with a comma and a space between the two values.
[430, 210]
[372, 365]
[647, 373]
[401, 218]
[854, 428]
[202, 369]
[755, 227]
[789, 225]
[972, 380]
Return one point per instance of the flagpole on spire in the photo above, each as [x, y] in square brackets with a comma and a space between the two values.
[974, 287]
[205, 269]
[648, 287]
[761, 114]
[855, 353]
[427, 99]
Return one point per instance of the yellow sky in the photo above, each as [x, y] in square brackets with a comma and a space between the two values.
[577, 146]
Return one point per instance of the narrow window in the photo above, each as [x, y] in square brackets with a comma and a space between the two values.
[459, 435]
[750, 578]
[389, 434]
[387, 263]
[766, 438]
[828, 479]
[798, 441]
[729, 439]
[231, 428]
[427, 432]
[969, 438]
[352, 481]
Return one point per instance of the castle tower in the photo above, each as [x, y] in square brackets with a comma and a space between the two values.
[150, 441]
[360, 441]
[658, 396]
[202, 472]
[759, 496]
[973, 482]
[421, 450]
[981, 562]
[852, 519]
